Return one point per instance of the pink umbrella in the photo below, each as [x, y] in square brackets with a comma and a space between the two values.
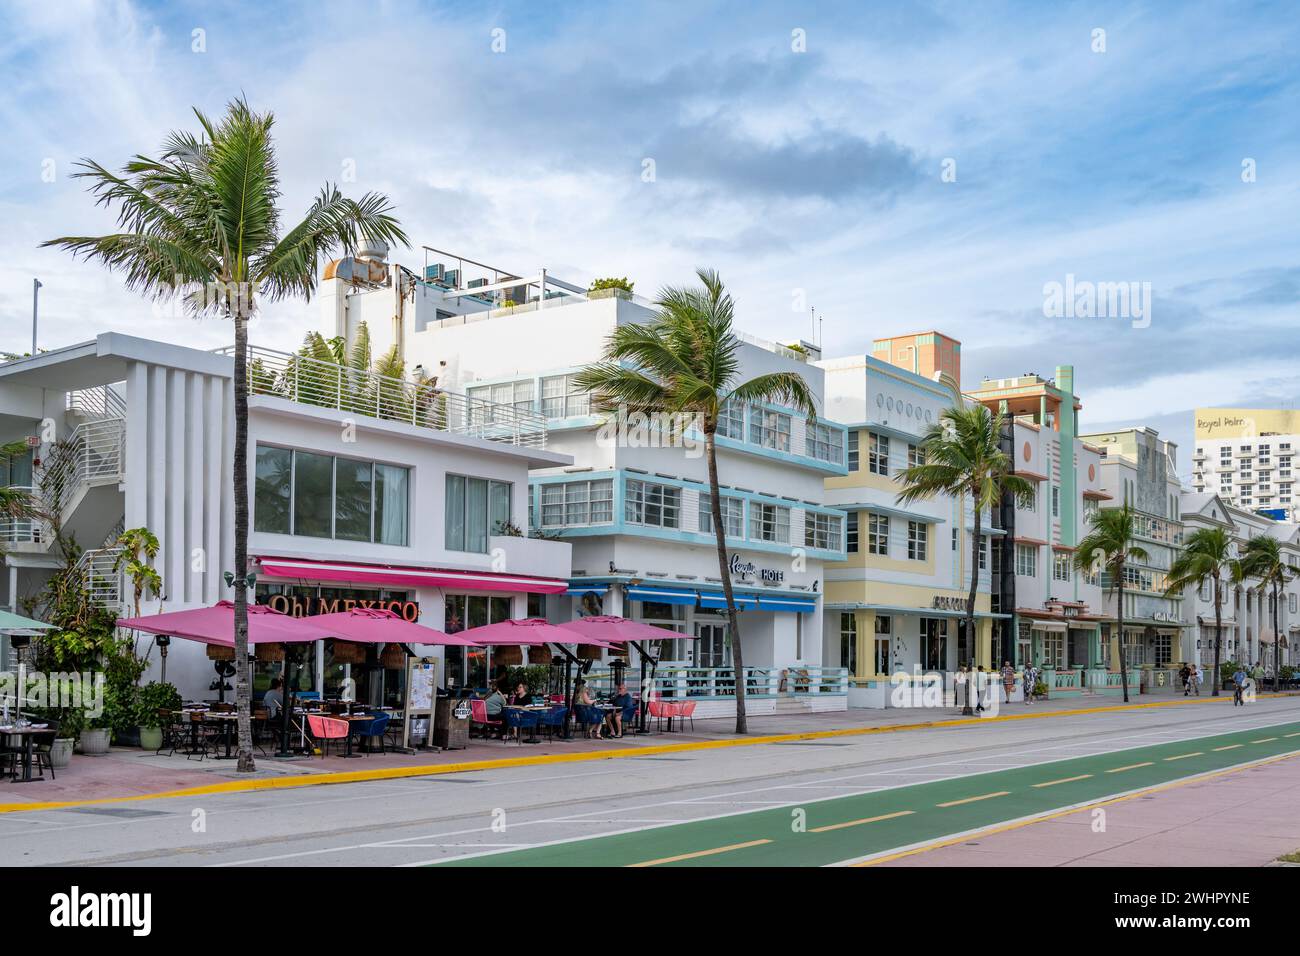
[616, 630]
[370, 625]
[216, 625]
[532, 631]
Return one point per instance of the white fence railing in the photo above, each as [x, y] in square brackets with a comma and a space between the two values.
[103, 401]
[92, 453]
[676, 680]
[102, 577]
[328, 385]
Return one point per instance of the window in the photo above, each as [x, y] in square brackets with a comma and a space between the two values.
[915, 455]
[849, 641]
[517, 395]
[854, 463]
[733, 515]
[654, 505]
[577, 503]
[320, 496]
[769, 522]
[821, 531]
[561, 397]
[1061, 566]
[882, 630]
[769, 429]
[1027, 560]
[878, 534]
[1030, 501]
[476, 508]
[824, 442]
[878, 455]
[731, 420]
[851, 533]
[917, 536]
[1056, 502]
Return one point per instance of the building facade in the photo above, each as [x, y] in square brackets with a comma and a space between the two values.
[1140, 469]
[1058, 611]
[896, 605]
[1244, 456]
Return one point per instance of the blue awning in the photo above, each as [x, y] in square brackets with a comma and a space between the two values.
[577, 590]
[787, 602]
[718, 601]
[660, 595]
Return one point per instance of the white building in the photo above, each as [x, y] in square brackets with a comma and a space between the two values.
[1245, 608]
[350, 476]
[1244, 456]
[633, 504]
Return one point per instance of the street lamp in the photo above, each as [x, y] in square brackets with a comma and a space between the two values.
[36, 291]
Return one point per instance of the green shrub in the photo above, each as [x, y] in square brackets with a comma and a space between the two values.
[153, 697]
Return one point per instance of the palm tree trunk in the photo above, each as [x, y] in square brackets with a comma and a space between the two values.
[1218, 634]
[1119, 620]
[972, 642]
[720, 536]
[1277, 640]
[243, 684]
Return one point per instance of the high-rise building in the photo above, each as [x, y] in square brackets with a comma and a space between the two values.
[1244, 456]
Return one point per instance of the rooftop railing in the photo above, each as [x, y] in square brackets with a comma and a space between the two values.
[361, 392]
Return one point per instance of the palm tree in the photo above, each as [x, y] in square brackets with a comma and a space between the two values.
[685, 363]
[964, 456]
[200, 222]
[1110, 544]
[1206, 556]
[1262, 559]
[16, 504]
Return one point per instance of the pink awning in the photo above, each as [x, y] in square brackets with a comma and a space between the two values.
[391, 575]
[532, 631]
[611, 629]
[216, 625]
[369, 625]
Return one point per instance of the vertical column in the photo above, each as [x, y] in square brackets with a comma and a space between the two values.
[175, 550]
[137, 445]
[156, 436]
[194, 484]
[865, 625]
[214, 463]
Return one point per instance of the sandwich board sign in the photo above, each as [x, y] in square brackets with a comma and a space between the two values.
[421, 698]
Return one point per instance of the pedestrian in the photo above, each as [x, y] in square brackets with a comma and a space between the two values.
[1028, 678]
[1008, 680]
[980, 682]
[1185, 675]
[1196, 679]
[1238, 685]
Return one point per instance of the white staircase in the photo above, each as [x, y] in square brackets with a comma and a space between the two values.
[102, 577]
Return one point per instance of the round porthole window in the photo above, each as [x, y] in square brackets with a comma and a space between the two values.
[909, 409]
[889, 404]
[880, 400]
[927, 414]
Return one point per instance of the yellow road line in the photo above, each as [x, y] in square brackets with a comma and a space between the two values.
[1006, 827]
[1199, 753]
[1229, 747]
[855, 823]
[1052, 783]
[1263, 740]
[699, 853]
[428, 770]
[986, 796]
[1132, 766]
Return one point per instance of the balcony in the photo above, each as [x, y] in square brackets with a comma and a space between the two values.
[360, 392]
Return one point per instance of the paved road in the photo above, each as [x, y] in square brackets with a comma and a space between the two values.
[667, 806]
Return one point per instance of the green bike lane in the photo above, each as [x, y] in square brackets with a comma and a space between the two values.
[826, 831]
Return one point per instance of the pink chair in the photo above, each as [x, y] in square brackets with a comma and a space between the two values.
[325, 729]
[686, 711]
[478, 715]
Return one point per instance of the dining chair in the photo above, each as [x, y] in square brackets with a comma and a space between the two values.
[325, 729]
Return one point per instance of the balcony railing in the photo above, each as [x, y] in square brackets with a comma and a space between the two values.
[678, 681]
[327, 385]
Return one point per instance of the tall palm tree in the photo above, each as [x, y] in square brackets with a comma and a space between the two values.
[964, 456]
[685, 362]
[1207, 555]
[200, 222]
[1109, 542]
[1262, 559]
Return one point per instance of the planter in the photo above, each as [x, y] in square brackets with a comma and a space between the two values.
[94, 741]
[61, 752]
[151, 738]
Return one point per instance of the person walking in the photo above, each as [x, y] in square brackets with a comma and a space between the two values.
[1195, 679]
[1029, 677]
[1008, 680]
[981, 681]
[1185, 675]
[1238, 685]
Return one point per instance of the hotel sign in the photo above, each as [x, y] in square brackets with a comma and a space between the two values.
[944, 603]
[748, 570]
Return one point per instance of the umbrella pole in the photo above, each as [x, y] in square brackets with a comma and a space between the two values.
[286, 708]
[568, 688]
[645, 656]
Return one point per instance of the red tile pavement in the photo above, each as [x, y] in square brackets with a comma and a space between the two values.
[1245, 818]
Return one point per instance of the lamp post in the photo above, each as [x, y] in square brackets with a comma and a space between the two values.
[36, 292]
[163, 641]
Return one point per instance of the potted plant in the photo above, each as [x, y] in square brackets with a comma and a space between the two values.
[152, 698]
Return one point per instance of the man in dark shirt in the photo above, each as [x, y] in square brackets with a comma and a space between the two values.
[622, 702]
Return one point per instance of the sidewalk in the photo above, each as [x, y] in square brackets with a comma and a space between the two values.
[1239, 818]
[129, 773]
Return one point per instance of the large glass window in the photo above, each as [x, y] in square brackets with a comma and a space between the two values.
[824, 442]
[769, 429]
[821, 531]
[849, 641]
[476, 508]
[769, 522]
[878, 455]
[561, 397]
[733, 515]
[918, 535]
[1027, 560]
[851, 533]
[647, 503]
[577, 503]
[854, 464]
[731, 420]
[320, 496]
[878, 534]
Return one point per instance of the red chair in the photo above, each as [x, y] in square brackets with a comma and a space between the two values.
[478, 715]
[325, 729]
[686, 711]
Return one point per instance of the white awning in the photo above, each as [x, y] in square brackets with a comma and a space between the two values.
[1051, 626]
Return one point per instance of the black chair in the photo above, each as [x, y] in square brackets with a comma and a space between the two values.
[42, 744]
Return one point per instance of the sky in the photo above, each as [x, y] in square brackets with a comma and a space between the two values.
[895, 166]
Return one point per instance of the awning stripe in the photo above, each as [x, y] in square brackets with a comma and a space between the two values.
[660, 595]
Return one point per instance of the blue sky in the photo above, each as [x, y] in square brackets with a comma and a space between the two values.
[803, 176]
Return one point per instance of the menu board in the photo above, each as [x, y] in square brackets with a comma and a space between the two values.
[421, 696]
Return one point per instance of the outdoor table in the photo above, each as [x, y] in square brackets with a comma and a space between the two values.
[27, 733]
[229, 721]
[533, 709]
[355, 718]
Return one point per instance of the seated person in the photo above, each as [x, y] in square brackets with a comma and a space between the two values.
[495, 705]
[623, 704]
[584, 707]
[521, 697]
[273, 700]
